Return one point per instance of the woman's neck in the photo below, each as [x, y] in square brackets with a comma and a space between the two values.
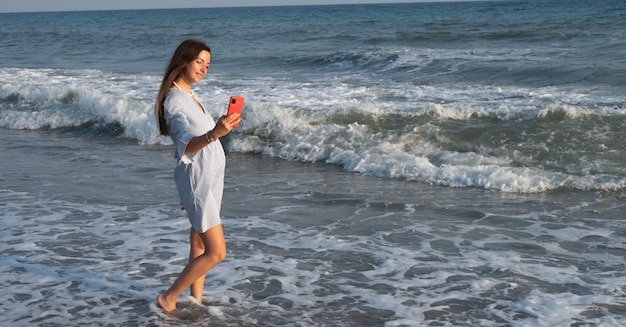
[181, 85]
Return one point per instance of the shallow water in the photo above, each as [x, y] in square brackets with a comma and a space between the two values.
[520, 97]
[495, 130]
[308, 245]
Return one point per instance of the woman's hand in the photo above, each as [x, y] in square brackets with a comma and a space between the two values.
[224, 125]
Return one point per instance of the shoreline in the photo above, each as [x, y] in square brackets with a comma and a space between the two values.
[99, 218]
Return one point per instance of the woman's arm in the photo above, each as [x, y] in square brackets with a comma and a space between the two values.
[223, 126]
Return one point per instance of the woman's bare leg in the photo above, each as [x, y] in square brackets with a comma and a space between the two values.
[215, 252]
[196, 249]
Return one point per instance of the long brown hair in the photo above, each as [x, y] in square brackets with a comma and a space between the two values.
[186, 52]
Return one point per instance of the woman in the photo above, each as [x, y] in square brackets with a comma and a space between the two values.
[199, 172]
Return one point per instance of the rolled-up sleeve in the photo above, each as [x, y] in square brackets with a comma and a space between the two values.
[178, 125]
[180, 132]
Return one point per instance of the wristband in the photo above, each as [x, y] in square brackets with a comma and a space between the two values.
[209, 139]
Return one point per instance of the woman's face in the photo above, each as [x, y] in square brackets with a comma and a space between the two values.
[196, 69]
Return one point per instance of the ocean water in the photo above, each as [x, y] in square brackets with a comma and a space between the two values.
[427, 164]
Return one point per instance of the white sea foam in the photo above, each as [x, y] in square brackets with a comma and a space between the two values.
[484, 102]
[408, 132]
[309, 245]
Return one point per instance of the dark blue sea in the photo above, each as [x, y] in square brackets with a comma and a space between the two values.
[424, 164]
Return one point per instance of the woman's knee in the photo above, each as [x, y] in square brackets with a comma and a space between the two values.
[219, 254]
[196, 241]
[214, 243]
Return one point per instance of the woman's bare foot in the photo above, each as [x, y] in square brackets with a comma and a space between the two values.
[162, 302]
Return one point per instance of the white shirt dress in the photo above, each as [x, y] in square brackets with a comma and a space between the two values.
[199, 176]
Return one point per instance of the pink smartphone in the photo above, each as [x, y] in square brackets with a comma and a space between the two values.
[235, 106]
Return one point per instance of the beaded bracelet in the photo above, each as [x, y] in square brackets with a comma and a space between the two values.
[210, 140]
